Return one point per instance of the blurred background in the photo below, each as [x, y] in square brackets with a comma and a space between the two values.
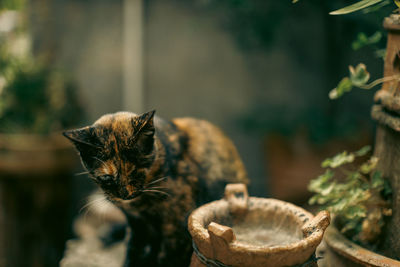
[261, 70]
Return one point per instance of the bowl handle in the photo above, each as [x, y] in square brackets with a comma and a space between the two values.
[237, 197]
[221, 237]
[318, 223]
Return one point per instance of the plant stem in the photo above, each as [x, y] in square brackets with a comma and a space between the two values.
[379, 81]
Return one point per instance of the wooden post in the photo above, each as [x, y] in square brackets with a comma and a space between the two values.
[133, 56]
[387, 113]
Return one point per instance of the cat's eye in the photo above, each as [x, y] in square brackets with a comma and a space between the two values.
[108, 179]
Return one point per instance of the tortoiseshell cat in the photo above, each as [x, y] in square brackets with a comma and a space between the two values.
[157, 172]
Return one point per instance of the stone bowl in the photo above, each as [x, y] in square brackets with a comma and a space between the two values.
[248, 231]
[342, 252]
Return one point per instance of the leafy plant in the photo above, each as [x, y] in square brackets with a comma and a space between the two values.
[12, 4]
[358, 77]
[34, 97]
[358, 6]
[357, 196]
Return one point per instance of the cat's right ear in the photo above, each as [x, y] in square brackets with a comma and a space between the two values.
[83, 138]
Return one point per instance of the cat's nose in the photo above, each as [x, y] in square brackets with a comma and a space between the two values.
[127, 192]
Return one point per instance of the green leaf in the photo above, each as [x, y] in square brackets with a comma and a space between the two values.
[338, 160]
[316, 185]
[295, 1]
[359, 76]
[328, 189]
[344, 86]
[356, 211]
[362, 151]
[369, 166]
[377, 180]
[355, 7]
[376, 7]
[313, 199]
[362, 40]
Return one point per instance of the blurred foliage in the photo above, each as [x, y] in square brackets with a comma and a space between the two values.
[12, 4]
[363, 40]
[316, 123]
[359, 76]
[321, 119]
[34, 97]
[253, 23]
[359, 197]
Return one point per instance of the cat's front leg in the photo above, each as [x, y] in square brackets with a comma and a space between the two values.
[143, 244]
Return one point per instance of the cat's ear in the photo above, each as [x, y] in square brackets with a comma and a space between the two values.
[144, 129]
[144, 124]
[83, 138]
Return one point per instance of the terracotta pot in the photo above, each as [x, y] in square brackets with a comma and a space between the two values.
[343, 252]
[248, 231]
[35, 199]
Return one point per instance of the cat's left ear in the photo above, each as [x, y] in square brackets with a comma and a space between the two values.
[144, 129]
[144, 124]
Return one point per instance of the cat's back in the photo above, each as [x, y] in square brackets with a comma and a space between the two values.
[212, 150]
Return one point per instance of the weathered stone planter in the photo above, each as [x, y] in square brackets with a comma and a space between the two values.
[248, 231]
[343, 252]
[387, 148]
[35, 199]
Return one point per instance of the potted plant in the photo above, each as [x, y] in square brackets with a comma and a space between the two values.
[360, 199]
[36, 103]
[363, 213]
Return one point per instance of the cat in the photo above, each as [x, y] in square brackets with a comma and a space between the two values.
[157, 171]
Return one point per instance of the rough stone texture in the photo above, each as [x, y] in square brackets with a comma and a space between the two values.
[341, 252]
[392, 60]
[379, 114]
[387, 147]
[212, 227]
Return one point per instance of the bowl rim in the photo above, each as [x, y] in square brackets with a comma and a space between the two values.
[350, 250]
[199, 232]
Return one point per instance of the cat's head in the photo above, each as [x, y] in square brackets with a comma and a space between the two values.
[117, 151]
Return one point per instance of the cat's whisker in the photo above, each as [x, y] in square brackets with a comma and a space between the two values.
[158, 180]
[96, 158]
[81, 173]
[156, 187]
[92, 203]
[96, 206]
[156, 191]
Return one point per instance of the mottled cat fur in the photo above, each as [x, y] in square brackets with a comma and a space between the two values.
[157, 172]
